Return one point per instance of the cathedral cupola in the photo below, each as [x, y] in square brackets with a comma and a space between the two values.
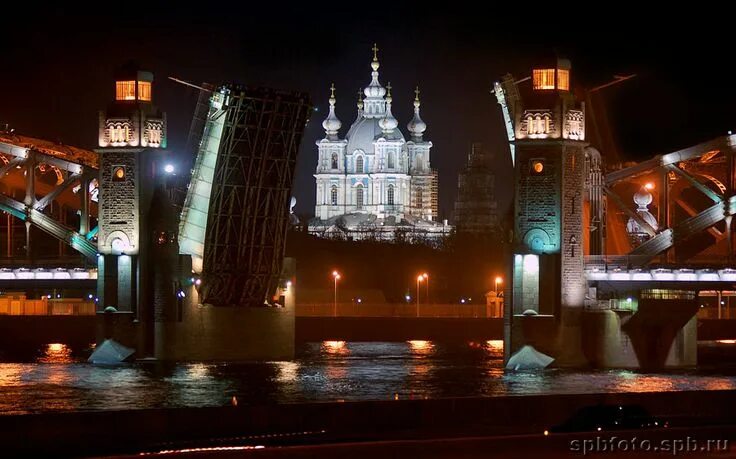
[331, 123]
[388, 123]
[375, 105]
[416, 126]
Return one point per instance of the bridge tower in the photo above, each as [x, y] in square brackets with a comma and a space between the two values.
[546, 127]
[131, 129]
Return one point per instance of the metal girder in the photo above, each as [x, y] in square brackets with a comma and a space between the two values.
[49, 226]
[700, 222]
[721, 143]
[46, 200]
[41, 157]
[715, 197]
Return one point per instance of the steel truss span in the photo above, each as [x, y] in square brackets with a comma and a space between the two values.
[248, 211]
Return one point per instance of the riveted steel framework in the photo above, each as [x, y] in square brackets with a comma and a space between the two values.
[248, 211]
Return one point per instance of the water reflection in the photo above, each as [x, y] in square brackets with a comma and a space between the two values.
[335, 347]
[331, 370]
[56, 353]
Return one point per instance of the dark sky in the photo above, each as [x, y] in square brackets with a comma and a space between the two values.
[58, 63]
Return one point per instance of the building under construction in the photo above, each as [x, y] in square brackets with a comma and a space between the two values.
[235, 215]
[476, 209]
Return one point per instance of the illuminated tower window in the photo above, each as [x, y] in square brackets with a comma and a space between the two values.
[334, 160]
[118, 173]
[563, 80]
[390, 195]
[144, 90]
[359, 165]
[333, 195]
[391, 160]
[536, 167]
[125, 90]
[544, 78]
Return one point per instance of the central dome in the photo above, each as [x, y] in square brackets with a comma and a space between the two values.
[365, 131]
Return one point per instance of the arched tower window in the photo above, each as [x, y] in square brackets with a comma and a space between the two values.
[420, 163]
[359, 165]
[334, 160]
[333, 195]
[390, 195]
[359, 197]
[391, 160]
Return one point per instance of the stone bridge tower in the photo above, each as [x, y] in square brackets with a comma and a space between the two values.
[130, 132]
[546, 127]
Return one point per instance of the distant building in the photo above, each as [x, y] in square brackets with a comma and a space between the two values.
[374, 183]
[476, 209]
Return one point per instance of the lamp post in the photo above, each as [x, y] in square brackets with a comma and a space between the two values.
[425, 276]
[419, 281]
[336, 277]
[499, 280]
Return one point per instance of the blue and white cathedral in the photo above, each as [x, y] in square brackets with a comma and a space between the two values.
[374, 183]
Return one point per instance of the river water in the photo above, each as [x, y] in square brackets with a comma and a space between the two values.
[58, 379]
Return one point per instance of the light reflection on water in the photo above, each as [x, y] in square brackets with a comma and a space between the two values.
[332, 370]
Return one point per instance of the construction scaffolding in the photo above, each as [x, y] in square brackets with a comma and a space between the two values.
[248, 211]
[476, 207]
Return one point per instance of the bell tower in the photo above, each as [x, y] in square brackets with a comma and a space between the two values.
[547, 136]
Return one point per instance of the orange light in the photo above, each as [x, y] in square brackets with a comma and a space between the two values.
[425, 275]
[119, 173]
[335, 274]
[144, 90]
[649, 186]
[538, 167]
[125, 90]
[420, 278]
[499, 279]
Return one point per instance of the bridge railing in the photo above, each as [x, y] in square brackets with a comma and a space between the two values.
[606, 262]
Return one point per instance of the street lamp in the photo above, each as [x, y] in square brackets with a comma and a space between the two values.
[499, 280]
[419, 281]
[336, 277]
[425, 276]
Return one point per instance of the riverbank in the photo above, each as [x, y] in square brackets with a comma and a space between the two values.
[134, 431]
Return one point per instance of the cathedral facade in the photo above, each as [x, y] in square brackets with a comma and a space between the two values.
[374, 183]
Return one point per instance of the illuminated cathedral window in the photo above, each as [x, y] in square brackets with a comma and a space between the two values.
[359, 165]
[543, 78]
[391, 160]
[420, 198]
[334, 160]
[563, 79]
[333, 195]
[390, 195]
[144, 90]
[359, 196]
[125, 90]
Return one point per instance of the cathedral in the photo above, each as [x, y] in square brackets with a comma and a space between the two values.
[374, 183]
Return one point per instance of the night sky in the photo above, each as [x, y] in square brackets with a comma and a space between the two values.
[58, 64]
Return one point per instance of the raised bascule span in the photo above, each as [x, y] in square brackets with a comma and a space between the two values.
[193, 223]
